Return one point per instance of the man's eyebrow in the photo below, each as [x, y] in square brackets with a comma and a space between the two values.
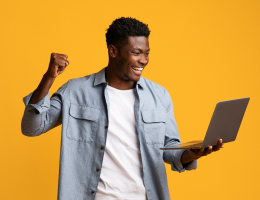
[141, 49]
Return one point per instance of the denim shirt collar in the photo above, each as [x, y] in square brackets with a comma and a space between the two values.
[100, 78]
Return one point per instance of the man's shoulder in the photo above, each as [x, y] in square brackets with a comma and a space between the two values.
[81, 80]
[157, 91]
[153, 85]
[75, 84]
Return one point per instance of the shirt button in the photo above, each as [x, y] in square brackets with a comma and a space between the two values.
[102, 148]
[106, 127]
[92, 192]
[98, 170]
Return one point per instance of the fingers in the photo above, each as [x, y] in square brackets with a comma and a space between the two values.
[209, 150]
[59, 60]
[55, 57]
[219, 145]
[63, 60]
[206, 151]
[201, 152]
[197, 153]
[63, 56]
[57, 65]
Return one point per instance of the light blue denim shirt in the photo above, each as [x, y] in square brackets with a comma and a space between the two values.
[82, 107]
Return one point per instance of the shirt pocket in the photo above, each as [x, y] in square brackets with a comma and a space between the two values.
[82, 123]
[154, 125]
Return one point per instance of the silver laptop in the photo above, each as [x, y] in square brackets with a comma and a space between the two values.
[224, 125]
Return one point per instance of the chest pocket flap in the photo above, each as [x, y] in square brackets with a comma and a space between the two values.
[83, 112]
[83, 123]
[155, 115]
[154, 125]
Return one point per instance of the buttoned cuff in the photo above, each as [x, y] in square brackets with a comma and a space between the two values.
[42, 106]
[176, 164]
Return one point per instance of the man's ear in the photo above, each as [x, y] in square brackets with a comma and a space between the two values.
[112, 50]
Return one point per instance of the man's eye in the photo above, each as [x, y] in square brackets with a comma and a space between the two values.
[136, 53]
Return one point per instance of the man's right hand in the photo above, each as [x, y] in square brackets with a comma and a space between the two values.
[58, 64]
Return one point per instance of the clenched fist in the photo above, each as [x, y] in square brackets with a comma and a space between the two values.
[58, 64]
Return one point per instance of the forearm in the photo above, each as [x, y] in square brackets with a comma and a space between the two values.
[43, 89]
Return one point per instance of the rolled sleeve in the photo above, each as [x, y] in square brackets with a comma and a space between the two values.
[46, 114]
[176, 164]
[33, 120]
[42, 106]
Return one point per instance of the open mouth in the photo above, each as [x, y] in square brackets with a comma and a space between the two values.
[138, 68]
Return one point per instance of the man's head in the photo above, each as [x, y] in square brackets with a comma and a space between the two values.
[128, 48]
[121, 29]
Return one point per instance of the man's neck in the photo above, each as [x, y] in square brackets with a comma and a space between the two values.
[115, 82]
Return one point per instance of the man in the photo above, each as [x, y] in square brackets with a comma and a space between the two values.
[113, 124]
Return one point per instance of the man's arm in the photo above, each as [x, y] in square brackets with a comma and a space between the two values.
[181, 159]
[42, 113]
[172, 137]
[57, 65]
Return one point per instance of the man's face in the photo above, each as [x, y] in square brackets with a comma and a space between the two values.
[132, 58]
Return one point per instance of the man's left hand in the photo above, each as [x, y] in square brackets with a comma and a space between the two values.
[194, 154]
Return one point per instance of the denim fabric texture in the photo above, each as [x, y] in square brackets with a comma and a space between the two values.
[82, 107]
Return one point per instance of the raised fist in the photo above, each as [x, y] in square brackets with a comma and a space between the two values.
[58, 64]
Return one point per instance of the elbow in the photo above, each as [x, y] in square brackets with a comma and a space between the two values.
[30, 127]
[27, 133]
[30, 131]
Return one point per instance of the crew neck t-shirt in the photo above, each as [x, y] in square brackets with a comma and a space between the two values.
[121, 174]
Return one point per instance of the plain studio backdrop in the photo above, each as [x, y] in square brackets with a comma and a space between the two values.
[202, 52]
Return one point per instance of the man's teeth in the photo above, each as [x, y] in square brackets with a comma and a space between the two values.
[139, 69]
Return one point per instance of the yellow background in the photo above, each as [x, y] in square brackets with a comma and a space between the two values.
[201, 51]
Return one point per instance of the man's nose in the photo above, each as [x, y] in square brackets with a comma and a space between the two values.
[143, 60]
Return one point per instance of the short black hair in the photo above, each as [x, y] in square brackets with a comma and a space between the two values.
[121, 28]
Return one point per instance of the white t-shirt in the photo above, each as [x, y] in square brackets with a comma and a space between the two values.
[121, 174]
